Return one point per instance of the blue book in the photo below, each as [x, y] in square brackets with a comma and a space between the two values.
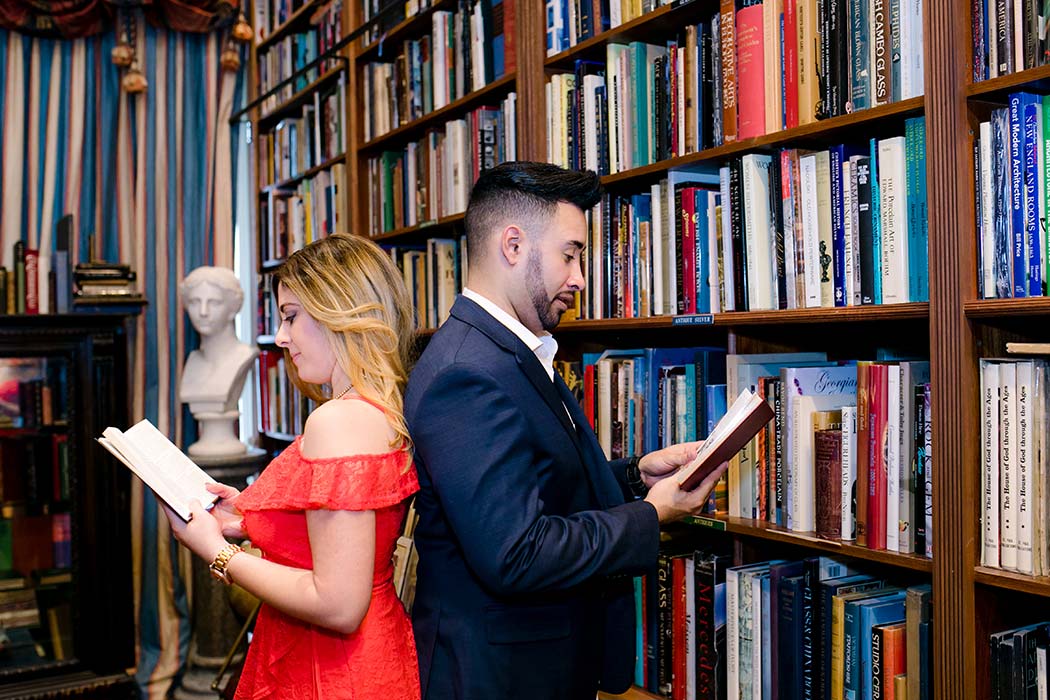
[876, 221]
[789, 637]
[877, 612]
[839, 154]
[1001, 176]
[1032, 229]
[768, 651]
[918, 237]
[851, 642]
[778, 576]
[703, 253]
[895, 50]
[860, 57]
[639, 635]
[716, 404]
[1019, 241]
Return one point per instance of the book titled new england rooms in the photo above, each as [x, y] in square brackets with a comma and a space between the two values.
[163, 467]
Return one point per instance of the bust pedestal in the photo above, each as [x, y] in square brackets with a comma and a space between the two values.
[213, 624]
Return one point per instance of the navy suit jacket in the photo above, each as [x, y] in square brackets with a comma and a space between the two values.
[527, 538]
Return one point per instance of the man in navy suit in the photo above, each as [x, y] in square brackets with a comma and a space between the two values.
[527, 535]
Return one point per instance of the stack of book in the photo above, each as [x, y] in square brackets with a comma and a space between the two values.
[102, 281]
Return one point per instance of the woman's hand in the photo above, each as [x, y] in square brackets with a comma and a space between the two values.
[225, 510]
[202, 535]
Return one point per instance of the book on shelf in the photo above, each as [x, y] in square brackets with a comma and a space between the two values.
[748, 414]
[172, 476]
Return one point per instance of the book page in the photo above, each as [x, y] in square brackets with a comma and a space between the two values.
[161, 465]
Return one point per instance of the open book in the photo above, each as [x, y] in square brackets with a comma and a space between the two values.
[748, 414]
[153, 458]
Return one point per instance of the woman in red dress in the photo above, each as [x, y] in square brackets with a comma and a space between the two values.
[328, 511]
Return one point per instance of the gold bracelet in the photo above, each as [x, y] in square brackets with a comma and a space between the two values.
[221, 563]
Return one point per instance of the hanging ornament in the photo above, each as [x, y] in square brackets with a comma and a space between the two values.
[230, 58]
[242, 31]
[122, 54]
[134, 81]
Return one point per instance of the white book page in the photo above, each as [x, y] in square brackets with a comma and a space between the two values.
[161, 465]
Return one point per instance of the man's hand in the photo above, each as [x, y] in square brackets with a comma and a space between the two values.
[663, 463]
[673, 504]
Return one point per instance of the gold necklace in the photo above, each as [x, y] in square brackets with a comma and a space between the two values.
[342, 393]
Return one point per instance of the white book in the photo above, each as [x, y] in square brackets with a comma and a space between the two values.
[660, 241]
[826, 246]
[1025, 457]
[714, 220]
[1043, 464]
[1041, 673]
[1007, 465]
[758, 236]
[152, 457]
[1036, 467]
[893, 457]
[732, 591]
[810, 229]
[849, 472]
[787, 195]
[726, 255]
[987, 222]
[854, 216]
[893, 208]
[756, 633]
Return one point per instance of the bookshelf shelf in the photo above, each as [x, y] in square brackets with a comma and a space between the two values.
[663, 20]
[774, 533]
[822, 131]
[849, 314]
[293, 104]
[993, 308]
[1037, 79]
[408, 28]
[293, 181]
[1035, 585]
[632, 694]
[300, 19]
[495, 89]
[422, 231]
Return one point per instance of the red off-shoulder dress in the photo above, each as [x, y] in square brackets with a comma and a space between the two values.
[290, 658]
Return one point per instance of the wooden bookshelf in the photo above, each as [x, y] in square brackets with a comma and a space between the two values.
[431, 229]
[296, 102]
[409, 28]
[1037, 79]
[494, 91]
[291, 182]
[1012, 581]
[996, 308]
[774, 533]
[886, 118]
[847, 314]
[299, 21]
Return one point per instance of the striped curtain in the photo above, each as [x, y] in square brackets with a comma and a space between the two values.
[150, 175]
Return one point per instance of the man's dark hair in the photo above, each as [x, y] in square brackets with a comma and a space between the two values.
[524, 190]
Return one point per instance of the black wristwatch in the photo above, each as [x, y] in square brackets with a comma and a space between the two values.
[634, 478]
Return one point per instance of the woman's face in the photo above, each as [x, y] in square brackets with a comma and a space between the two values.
[302, 336]
[208, 307]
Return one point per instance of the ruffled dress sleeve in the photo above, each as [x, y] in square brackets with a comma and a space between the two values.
[352, 482]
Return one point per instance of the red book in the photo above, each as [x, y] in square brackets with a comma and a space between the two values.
[751, 83]
[588, 395]
[679, 629]
[877, 429]
[688, 210]
[791, 63]
[863, 405]
[32, 281]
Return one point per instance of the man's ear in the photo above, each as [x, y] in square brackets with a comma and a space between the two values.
[512, 244]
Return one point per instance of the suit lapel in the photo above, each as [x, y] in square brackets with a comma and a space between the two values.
[605, 486]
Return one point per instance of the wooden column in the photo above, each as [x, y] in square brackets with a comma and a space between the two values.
[952, 280]
[532, 106]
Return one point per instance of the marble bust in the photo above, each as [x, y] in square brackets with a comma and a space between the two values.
[214, 374]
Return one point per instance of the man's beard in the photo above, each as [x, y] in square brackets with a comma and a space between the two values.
[549, 318]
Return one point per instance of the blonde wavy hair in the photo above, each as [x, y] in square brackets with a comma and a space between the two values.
[352, 288]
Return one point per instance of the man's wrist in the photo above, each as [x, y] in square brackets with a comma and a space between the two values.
[634, 479]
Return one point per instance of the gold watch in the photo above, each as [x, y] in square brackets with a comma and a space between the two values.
[221, 563]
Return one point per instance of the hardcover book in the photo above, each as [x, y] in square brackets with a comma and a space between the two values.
[161, 465]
